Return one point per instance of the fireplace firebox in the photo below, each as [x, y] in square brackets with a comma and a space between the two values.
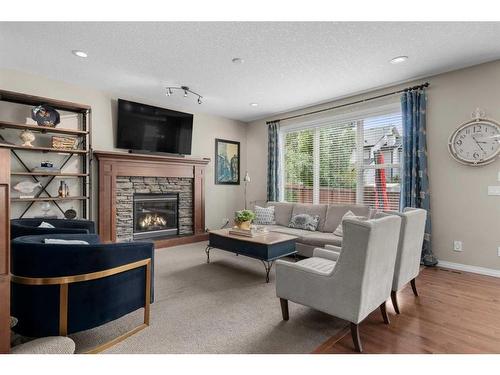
[156, 215]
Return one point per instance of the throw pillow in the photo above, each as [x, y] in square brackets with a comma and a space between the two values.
[58, 241]
[264, 215]
[43, 224]
[348, 215]
[304, 221]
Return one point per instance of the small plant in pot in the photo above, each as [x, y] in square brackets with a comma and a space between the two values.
[244, 218]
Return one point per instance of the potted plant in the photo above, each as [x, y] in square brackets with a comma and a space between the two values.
[244, 218]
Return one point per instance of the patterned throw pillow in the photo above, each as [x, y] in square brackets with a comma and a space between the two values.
[264, 215]
[304, 221]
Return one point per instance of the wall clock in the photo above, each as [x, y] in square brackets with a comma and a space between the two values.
[477, 142]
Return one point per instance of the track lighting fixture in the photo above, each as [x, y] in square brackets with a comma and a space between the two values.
[170, 91]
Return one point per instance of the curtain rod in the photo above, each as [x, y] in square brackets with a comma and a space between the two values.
[426, 84]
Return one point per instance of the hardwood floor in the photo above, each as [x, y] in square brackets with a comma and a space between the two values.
[456, 312]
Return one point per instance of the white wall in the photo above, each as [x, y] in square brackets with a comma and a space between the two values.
[461, 208]
[221, 200]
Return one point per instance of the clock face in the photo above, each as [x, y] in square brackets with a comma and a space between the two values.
[476, 142]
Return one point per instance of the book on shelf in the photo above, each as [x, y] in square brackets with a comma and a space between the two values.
[46, 169]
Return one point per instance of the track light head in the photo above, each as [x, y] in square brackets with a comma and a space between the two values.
[199, 100]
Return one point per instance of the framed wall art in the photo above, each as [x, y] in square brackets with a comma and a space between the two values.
[227, 162]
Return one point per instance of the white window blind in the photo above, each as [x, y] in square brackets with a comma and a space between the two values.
[352, 158]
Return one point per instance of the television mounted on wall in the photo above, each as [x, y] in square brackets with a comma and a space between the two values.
[145, 128]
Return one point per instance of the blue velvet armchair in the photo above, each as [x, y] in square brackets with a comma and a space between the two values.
[29, 227]
[62, 289]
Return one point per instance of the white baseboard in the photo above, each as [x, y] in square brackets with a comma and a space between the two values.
[467, 268]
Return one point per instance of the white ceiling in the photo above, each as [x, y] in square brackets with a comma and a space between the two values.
[288, 65]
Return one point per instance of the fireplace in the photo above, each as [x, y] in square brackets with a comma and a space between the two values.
[155, 215]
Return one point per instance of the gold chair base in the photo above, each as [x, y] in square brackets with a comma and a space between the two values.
[116, 340]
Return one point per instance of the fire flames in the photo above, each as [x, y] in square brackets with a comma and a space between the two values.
[152, 220]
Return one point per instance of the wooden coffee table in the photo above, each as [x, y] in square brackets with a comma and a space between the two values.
[266, 248]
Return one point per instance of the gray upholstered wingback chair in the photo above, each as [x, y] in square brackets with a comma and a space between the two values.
[408, 258]
[353, 285]
[411, 239]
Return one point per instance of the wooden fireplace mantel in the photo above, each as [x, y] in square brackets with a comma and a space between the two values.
[113, 164]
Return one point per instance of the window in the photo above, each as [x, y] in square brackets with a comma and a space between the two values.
[351, 158]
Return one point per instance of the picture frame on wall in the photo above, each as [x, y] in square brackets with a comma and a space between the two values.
[227, 162]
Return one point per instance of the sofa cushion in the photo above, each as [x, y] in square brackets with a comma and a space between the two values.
[282, 212]
[338, 231]
[304, 221]
[264, 215]
[319, 239]
[285, 230]
[313, 210]
[335, 213]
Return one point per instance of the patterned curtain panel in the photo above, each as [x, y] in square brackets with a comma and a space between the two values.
[415, 187]
[273, 161]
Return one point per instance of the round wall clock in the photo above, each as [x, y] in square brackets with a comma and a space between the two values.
[477, 142]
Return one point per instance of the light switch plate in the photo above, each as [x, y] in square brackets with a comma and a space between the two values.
[493, 190]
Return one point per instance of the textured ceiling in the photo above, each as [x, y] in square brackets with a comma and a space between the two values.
[288, 65]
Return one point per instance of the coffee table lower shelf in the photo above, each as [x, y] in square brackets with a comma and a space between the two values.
[266, 248]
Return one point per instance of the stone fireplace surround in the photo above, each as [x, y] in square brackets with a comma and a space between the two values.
[126, 186]
[150, 173]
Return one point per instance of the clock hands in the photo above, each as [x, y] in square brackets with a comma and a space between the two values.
[475, 140]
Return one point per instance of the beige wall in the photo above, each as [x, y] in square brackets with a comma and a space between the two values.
[221, 200]
[461, 208]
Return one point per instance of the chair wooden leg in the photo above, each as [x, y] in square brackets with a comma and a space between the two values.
[384, 313]
[284, 308]
[394, 299]
[414, 287]
[355, 337]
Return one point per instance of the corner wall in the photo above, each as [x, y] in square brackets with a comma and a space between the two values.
[461, 208]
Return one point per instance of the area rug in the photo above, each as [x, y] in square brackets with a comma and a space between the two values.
[222, 307]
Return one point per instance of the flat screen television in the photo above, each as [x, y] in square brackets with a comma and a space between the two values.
[146, 128]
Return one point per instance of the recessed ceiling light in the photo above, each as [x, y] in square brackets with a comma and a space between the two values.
[238, 60]
[399, 59]
[79, 53]
[254, 104]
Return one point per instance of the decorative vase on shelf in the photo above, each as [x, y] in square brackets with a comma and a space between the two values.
[63, 190]
[45, 207]
[27, 137]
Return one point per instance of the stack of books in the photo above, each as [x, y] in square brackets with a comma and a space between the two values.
[249, 232]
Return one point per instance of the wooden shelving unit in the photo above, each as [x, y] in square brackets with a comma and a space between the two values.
[42, 129]
[48, 199]
[45, 174]
[83, 152]
[43, 149]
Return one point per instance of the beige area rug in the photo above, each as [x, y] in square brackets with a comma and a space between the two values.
[221, 307]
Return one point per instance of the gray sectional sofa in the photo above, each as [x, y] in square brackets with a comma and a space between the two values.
[330, 217]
